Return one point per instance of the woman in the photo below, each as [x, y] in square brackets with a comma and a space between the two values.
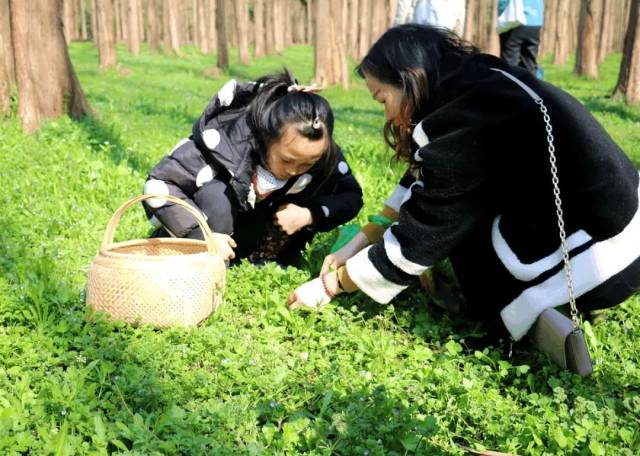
[479, 189]
[262, 165]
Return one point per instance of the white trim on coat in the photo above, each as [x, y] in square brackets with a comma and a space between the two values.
[368, 279]
[394, 251]
[590, 268]
[529, 271]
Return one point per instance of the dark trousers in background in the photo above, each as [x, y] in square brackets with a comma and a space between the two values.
[519, 47]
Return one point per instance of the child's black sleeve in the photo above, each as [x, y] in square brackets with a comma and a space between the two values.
[340, 203]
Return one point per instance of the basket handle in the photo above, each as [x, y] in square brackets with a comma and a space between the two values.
[110, 232]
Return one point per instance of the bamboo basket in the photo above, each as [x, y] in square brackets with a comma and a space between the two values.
[162, 281]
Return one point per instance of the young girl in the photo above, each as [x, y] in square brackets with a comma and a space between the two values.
[261, 164]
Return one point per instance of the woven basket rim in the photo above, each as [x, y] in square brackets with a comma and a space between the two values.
[110, 253]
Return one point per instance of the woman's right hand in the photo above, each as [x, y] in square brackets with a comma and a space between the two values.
[334, 260]
[225, 245]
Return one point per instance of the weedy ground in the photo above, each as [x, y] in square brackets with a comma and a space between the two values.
[357, 378]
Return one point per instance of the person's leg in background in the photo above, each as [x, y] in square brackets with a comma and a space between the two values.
[510, 46]
[530, 41]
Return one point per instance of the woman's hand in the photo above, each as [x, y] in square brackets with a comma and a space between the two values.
[291, 218]
[225, 245]
[316, 293]
[333, 261]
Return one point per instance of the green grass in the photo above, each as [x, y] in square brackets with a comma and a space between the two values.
[357, 378]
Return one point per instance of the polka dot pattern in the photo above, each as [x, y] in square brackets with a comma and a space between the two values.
[156, 187]
[204, 175]
[343, 167]
[211, 138]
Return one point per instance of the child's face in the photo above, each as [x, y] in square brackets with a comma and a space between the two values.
[293, 154]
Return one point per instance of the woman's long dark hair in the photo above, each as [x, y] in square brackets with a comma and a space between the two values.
[270, 107]
[415, 58]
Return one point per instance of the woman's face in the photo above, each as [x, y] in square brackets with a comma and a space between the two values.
[293, 154]
[389, 95]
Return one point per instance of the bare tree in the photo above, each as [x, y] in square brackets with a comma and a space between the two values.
[212, 32]
[68, 20]
[278, 26]
[258, 27]
[83, 20]
[171, 30]
[223, 46]
[587, 54]
[628, 86]
[7, 70]
[493, 41]
[469, 32]
[352, 31]
[105, 34]
[242, 23]
[310, 29]
[153, 34]
[330, 52]
[133, 34]
[47, 84]
[547, 32]
[364, 28]
[269, 34]
[561, 39]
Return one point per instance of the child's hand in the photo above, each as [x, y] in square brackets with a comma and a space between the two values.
[225, 245]
[291, 218]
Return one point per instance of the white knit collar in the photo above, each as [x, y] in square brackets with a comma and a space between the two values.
[267, 182]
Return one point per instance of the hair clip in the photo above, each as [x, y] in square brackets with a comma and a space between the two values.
[316, 123]
[295, 87]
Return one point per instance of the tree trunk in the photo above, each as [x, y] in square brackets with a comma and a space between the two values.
[7, 70]
[105, 34]
[47, 84]
[561, 39]
[94, 22]
[223, 46]
[83, 20]
[133, 34]
[330, 55]
[493, 43]
[212, 33]
[258, 27]
[230, 20]
[310, 35]
[469, 33]
[587, 53]
[299, 23]
[241, 8]
[153, 34]
[278, 26]
[393, 7]
[352, 30]
[268, 28]
[628, 86]
[606, 15]
[364, 24]
[118, 20]
[67, 20]
[171, 37]
[547, 32]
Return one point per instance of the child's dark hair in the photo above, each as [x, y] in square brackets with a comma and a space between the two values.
[415, 58]
[272, 107]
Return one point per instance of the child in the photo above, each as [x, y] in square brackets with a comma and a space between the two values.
[263, 167]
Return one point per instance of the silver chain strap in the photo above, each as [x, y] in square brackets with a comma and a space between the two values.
[559, 213]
